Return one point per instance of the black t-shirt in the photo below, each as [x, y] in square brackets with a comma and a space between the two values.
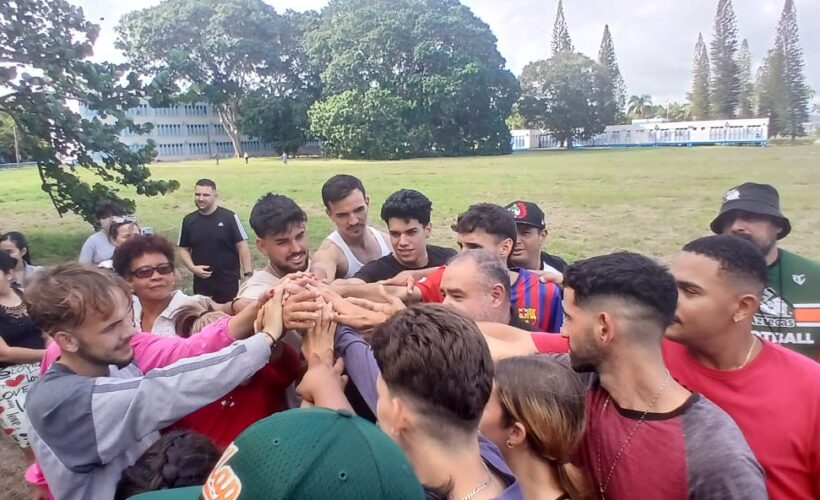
[387, 267]
[212, 240]
[18, 330]
[554, 261]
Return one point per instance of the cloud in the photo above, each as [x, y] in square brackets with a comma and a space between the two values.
[654, 39]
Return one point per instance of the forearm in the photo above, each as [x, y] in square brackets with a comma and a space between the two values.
[185, 257]
[323, 270]
[360, 364]
[331, 397]
[245, 257]
[241, 326]
[369, 291]
[20, 355]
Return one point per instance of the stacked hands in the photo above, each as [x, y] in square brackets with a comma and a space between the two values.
[313, 308]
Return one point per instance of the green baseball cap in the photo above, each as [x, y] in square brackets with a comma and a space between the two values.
[306, 453]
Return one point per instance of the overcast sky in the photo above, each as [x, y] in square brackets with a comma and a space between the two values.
[654, 39]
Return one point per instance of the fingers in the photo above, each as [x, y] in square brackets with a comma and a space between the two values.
[363, 303]
[339, 367]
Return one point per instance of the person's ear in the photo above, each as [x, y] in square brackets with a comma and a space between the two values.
[402, 419]
[605, 327]
[428, 230]
[506, 248]
[498, 295]
[516, 435]
[747, 306]
[260, 245]
[66, 341]
[367, 201]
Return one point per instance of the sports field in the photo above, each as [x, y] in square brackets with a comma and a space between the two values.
[650, 200]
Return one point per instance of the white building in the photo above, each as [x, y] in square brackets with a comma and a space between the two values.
[658, 132]
[189, 132]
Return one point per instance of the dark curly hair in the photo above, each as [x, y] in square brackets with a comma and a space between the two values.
[407, 204]
[274, 214]
[180, 458]
[492, 218]
[137, 246]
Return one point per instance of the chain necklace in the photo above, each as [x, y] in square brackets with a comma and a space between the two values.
[748, 354]
[605, 483]
[475, 491]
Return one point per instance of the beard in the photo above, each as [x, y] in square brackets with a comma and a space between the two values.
[585, 359]
[106, 361]
[763, 246]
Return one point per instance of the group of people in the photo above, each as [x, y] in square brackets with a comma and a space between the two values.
[382, 366]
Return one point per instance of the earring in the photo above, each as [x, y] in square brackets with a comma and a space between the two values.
[509, 444]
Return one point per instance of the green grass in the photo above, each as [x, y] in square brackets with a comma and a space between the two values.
[650, 200]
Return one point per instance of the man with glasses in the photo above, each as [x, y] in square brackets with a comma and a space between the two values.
[212, 243]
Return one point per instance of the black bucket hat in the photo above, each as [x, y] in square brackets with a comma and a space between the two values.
[760, 199]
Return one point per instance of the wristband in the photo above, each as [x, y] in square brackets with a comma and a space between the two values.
[271, 337]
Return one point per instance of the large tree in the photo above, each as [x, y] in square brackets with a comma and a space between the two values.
[569, 94]
[797, 91]
[699, 94]
[724, 91]
[561, 41]
[217, 51]
[771, 91]
[606, 57]
[746, 98]
[44, 47]
[434, 55]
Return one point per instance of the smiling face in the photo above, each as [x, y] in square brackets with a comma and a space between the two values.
[350, 214]
[287, 251]
[528, 245]
[102, 341]
[157, 287]
[409, 240]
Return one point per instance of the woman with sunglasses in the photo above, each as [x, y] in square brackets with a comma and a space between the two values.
[147, 264]
[15, 244]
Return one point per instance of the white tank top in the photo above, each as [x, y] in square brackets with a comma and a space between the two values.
[353, 264]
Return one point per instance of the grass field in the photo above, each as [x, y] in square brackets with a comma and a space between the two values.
[649, 200]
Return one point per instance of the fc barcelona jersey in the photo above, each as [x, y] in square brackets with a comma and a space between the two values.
[537, 303]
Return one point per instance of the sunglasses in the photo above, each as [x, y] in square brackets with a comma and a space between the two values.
[148, 271]
[124, 219]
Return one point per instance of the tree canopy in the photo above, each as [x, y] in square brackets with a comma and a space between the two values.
[569, 94]
[44, 51]
[434, 55]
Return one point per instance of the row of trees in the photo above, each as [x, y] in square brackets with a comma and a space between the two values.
[722, 85]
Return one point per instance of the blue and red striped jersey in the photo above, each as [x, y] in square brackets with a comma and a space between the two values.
[537, 303]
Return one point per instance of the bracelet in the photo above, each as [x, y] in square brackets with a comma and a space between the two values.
[233, 312]
[271, 337]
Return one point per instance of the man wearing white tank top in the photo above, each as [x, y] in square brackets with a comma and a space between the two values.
[353, 244]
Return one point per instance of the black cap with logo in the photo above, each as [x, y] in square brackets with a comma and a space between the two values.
[527, 212]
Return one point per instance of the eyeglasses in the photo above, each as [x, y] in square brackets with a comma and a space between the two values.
[148, 271]
[124, 219]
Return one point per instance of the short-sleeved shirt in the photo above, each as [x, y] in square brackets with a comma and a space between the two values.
[694, 451]
[388, 266]
[553, 261]
[775, 400]
[97, 248]
[533, 302]
[789, 311]
[261, 281]
[164, 324]
[212, 241]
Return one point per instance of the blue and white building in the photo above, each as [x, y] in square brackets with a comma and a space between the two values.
[657, 132]
[189, 132]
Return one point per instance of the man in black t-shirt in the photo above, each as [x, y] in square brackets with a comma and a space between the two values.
[407, 214]
[212, 242]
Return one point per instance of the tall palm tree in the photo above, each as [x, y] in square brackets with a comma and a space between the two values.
[639, 105]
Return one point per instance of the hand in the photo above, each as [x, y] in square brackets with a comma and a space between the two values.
[203, 272]
[300, 311]
[549, 277]
[323, 378]
[404, 278]
[321, 336]
[269, 319]
[391, 306]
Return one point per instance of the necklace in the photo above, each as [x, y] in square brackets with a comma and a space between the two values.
[748, 354]
[480, 487]
[605, 483]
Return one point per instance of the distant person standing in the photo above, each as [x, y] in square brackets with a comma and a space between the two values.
[789, 309]
[98, 248]
[284, 158]
[246, 157]
[212, 243]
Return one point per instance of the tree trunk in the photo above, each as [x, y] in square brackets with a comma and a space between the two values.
[228, 116]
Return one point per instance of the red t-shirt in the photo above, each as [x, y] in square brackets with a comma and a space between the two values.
[775, 401]
[430, 286]
[261, 396]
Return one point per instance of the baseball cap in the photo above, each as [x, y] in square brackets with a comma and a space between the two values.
[760, 199]
[306, 453]
[527, 212]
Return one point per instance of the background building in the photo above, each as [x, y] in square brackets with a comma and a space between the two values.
[190, 132]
